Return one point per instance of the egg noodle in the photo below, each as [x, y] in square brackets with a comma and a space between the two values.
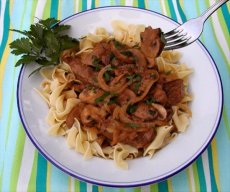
[62, 98]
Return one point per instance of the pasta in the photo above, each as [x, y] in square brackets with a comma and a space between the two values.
[115, 100]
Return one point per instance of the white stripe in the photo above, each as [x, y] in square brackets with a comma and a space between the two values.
[129, 2]
[145, 188]
[89, 187]
[77, 7]
[176, 11]
[219, 32]
[191, 177]
[163, 8]
[72, 184]
[39, 9]
[1, 20]
[89, 3]
[26, 166]
[206, 170]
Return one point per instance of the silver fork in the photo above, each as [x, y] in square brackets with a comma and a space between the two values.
[190, 31]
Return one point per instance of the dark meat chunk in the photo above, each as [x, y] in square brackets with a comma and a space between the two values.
[159, 95]
[74, 113]
[145, 112]
[151, 44]
[138, 140]
[174, 91]
[83, 73]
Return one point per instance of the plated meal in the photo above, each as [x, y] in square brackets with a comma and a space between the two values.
[114, 96]
[118, 96]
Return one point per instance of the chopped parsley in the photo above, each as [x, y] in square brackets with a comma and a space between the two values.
[101, 98]
[96, 63]
[127, 53]
[133, 125]
[131, 109]
[150, 100]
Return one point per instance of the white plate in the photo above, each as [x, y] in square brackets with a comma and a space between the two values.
[205, 84]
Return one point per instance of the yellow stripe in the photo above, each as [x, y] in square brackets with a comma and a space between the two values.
[100, 189]
[169, 182]
[59, 10]
[69, 184]
[189, 180]
[97, 3]
[215, 162]
[48, 176]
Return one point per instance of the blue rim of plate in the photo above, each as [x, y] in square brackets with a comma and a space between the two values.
[133, 183]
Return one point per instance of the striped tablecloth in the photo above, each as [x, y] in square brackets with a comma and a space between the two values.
[22, 168]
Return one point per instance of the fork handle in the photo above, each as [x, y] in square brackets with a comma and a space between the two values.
[212, 9]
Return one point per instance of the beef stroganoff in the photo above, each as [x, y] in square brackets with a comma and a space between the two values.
[119, 97]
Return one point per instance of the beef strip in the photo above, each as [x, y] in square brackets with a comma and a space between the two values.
[174, 91]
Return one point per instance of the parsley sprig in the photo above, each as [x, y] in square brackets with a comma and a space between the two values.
[43, 43]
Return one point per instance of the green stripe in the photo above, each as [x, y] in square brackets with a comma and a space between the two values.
[84, 5]
[141, 4]
[218, 44]
[212, 177]
[167, 8]
[135, 3]
[93, 4]
[224, 27]
[226, 15]
[41, 173]
[17, 158]
[83, 186]
[137, 189]
[172, 10]
[46, 11]
[154, 188]
[34, 5]
[95, 188]
[6, 24]
[181, 12]
[201, 174]
[122, 2]
[163, 186]
[76, 185]
[32, 181]
[54, 8]
[195, 176]
[226, 121]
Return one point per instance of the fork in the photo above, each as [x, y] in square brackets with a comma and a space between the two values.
[190, 31]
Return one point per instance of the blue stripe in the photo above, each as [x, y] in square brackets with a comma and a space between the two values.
[67, 8]
[6, 24]
[226, 15]
[182, 15]
[54, 8]
[223, 146]
[155, 6]
[213, 181]
[163, 186]
[105, 3]
[58, 180]
[141, 4]
[201, 174]
[93, 4]
[41, 173]
[95, 188]
[83, 186]
[84, 5]
[172, 10]
[180, 182]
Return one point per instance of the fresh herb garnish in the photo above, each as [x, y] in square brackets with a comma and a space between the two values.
[134, 77]
[150, 100]
[127, 53]
[131, 109]
[117, 44]
[101, 98]
[152, 112]
[43, 43]
[96, 63]
[136, 87]
[113, 98]
[133, 125]
[107, 76]
[111, 57]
